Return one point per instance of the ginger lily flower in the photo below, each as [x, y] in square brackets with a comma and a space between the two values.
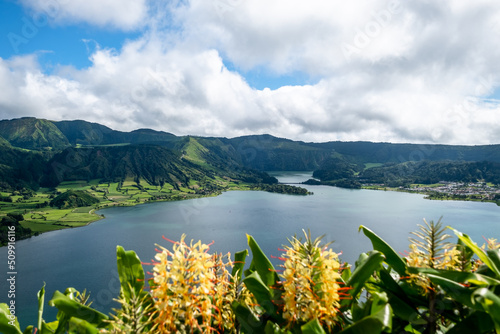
[311, 282]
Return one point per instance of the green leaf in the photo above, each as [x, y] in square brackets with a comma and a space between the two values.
[457, 276]
[481, 254]
[48, 328]
[248, 321]
[261, 291]
[346, 274]
[491, 304]
[28, 330]
[455, 290]
[130, 272]
[74, 309]
[8, 325]
[402, 305]
[477, 322]
[63, 321]
[366, 265]
[372, 305]
[272, 328]
[373, 324]
[494, 256]
[261, 263]
[41, 300]
[313, 327]
[465, 256]
[239, 263]
[378, 301]
[79, 326]
[63, 318]
[391, 257]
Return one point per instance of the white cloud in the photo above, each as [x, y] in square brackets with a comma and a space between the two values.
[417, 72]
[120, 14]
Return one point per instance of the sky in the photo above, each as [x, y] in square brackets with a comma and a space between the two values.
[408, 71]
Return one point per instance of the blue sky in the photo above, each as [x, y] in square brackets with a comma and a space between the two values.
[72, 45]
[384, 70]
[55, 44]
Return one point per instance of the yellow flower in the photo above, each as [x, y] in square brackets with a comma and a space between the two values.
[310, 282]
[191, 289]
[492, 244]
[430, 250]
[450, 259]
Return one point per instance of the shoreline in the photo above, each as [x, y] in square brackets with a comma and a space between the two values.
[108, 206]
[99, 216]
[429, 197]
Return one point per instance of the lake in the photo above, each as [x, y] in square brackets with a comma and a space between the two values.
[85, 258]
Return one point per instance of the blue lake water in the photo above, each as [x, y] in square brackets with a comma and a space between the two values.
[85, 258]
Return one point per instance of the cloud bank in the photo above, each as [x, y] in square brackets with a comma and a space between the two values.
[118, 14]
[423, 72]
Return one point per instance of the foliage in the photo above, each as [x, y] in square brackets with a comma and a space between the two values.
[281, 189]
[351, 183]
[32, 133]
[73, 199]
[336, 168]
[429, 172]
[438, 287]
[36, 152]
[19, 168]
[10, 222]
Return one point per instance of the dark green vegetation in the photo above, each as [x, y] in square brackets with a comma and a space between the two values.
[439, 287]
[58, 173]
[282, 189]
[41, 159]
[12, 220]
[73, 199]
[40, 152]
[33, 134]
[429, 172]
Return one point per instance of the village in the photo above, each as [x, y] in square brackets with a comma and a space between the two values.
[458, 190]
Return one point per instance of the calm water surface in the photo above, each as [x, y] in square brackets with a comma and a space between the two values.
[84, 258]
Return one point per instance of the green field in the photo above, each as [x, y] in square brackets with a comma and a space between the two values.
[372, 164]
[433, 185]
[40, 217]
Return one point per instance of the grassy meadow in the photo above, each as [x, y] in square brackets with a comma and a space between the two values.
[40, 217]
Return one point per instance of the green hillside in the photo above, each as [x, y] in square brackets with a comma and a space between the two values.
[33, 134]
[211, 153]
[155, 164]
[368, 152]
[4, 142]
[265, 152]
[47, 153]
[429, 172]
[86, 133]
[73, 199]
[20, 168]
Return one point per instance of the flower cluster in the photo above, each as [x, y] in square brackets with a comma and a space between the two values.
[449, 260]
[431, 250]
[311, 283]
[492, 244]
[191, 289]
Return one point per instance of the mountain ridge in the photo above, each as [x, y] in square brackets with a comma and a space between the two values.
[101, 152]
